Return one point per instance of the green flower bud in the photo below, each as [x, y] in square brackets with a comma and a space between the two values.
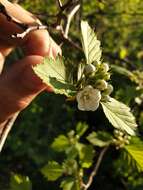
[120, 138]
[116, 132]
[121, 145]
[127, 142]
[107, 76]
[105, 67]
[127, 137]
[97, 64]
[89, 69]
[121, 133]
[109, 90]
[101, 84]
[105, 98]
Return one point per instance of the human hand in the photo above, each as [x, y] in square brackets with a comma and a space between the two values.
[18, 84]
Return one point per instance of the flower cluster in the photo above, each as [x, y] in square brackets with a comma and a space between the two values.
[94, 86]
[120, 139]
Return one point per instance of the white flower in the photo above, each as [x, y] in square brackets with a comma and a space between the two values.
[88, 99]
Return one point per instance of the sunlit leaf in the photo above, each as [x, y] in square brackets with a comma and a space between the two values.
[52, 171]
[60, 143]
[67, 184]
[119, 116]
[135, 151]
[18, 182]
[86, 154]
[81, 128]
[100, 138]
[91, 45]
[53, 73]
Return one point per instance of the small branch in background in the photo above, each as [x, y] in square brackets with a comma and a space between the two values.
[28, 30]
[6, 129]
[59, 4]
[73, 11]
[95, 169]
[72, 43]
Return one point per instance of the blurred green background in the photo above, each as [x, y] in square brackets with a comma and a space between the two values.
[119, 26]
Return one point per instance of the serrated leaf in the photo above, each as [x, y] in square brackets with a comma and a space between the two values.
[70, 166]
[81, 128]
[100, 138]
[60, 143]
[91, 45]
[18, 182]
[135, 151]
[67, 184]
[119, 115]
[53, 73]
[86, 154]
[52, 171]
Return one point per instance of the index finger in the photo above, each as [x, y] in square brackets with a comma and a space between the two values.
[36, 43]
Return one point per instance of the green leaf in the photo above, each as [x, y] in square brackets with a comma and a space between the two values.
[70, 166]
[67, 184]
[135, 151]
[122, 71]
[60, 143]
[91, 45]
[81, 128]
[71, 152]
[52, 171]
[100, 138]
[86, 154]
[53, 73]
[18, 182]
[119, 116]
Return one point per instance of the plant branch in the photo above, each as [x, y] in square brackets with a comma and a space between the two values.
[69, 18]
[6, 129]
[95, 169]
[59, 4]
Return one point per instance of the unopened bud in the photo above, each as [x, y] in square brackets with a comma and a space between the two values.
[109, 89]
[127, 142]
[120, 138]
[105, 98]
[89, 69]
[107, 76]
[105, 67]
[101, 84]
[121, 133]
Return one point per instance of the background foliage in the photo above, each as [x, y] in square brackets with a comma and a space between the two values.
[28, 148]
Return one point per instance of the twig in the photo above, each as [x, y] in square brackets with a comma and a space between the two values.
[60, 4]
[72, 43]
[28, 30]
[95, 169]
[69, 18]
[6, 129]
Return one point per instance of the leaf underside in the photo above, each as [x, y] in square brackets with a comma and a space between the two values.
[135, 153]
[91, 45]
[52, 171]
[53, 73]
[120, 116]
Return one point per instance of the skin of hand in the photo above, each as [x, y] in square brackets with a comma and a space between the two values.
[18, 84]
